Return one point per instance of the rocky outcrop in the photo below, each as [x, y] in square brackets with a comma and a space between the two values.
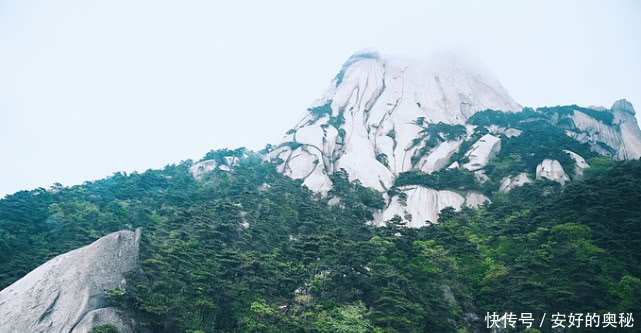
[629, 128]
[67, 293]
[508, 183]
[512, 132]
[199, 169]
[482, 151]
[618, 137]
[508, 132]
[438, 158]
[103, 316]
[476, 200]
[579, 164]
[551, 170]
[418, 206]
[624, 106]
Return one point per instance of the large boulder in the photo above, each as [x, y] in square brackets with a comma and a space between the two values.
[579, 164]
[551, 170]
[482, 152]
[439, 157]
[510, 182]
[67, 293]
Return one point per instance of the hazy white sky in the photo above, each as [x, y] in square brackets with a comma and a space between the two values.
[88, 88]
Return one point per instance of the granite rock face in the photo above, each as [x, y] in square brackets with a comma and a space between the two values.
[551, 170]
[67, 293]
[508, 183]
[373, 123]
[369, 121]
[370, 116]
[579, 164]
[623, 105]
[619, 138]
[476, 200]
[418, 206]
[482, 151]
[439, 157]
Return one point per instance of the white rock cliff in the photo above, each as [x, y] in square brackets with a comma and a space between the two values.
[551, 170]
[369, 118]
[366, 121]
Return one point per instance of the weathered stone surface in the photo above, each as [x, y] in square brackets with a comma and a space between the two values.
[482, 151]
[508, 132]
[620, 139]
[580, 164]
[476, 200]
[623, 105]
[103, 316]
[419, 206]
[67, 293]
[366, 123]
[439, 157]
[373, 124]
[551, 170]
[508, 183]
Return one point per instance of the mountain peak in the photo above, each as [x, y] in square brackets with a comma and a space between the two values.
[366, 53]
[623, 105]
[443, 87]
[368, 121]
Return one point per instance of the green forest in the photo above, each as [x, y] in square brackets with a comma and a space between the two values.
[254, 251]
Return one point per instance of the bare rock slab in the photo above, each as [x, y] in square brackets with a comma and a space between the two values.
[67, 293]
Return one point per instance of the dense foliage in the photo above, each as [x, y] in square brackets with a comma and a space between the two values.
[518, 153]
[433, 134]
[251, 250]
[451, 179]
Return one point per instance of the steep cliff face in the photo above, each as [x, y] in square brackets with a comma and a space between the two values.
[419, 206]
[67, 293]
[371, 122]
[613, 133]
[381, 118]
[551, 170]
